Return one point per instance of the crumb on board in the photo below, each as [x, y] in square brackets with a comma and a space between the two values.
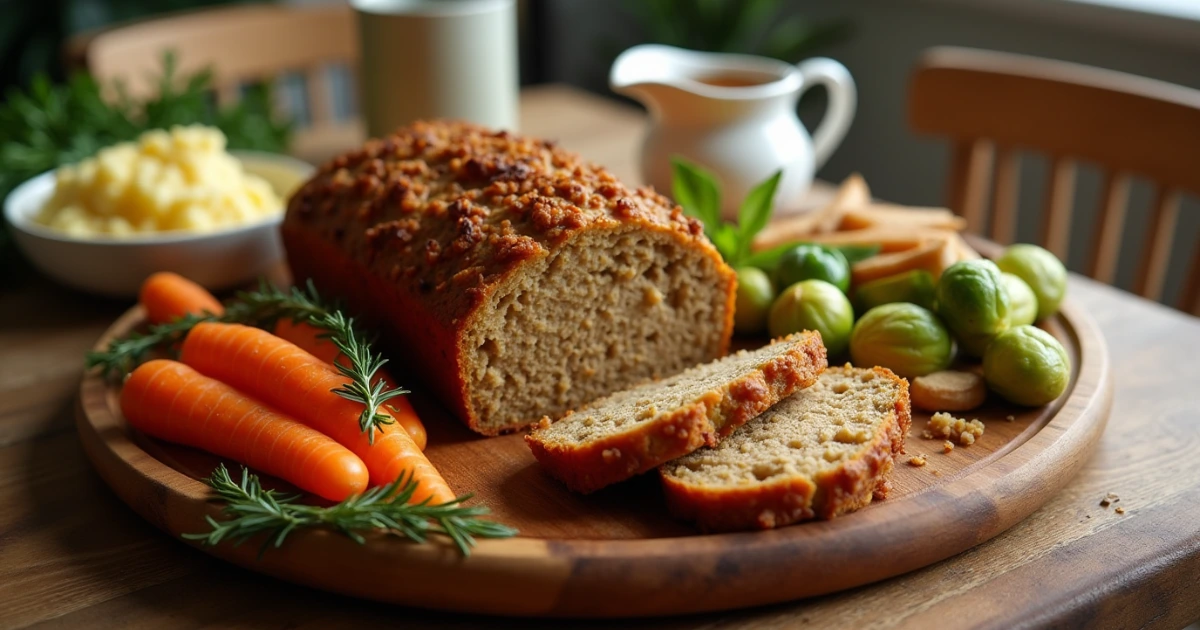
[1120, 510]
[927, 434]
[942, 424]
[936, 472]
[947, 446]
[1109, 499]
[1010, 418]
[916, 461]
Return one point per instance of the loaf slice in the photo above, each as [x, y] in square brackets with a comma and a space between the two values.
[635, 430]
[517, 279]
[822, 452]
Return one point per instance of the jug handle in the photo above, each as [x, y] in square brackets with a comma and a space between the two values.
[843, 99]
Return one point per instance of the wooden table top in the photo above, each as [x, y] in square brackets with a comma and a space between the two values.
[72, 555]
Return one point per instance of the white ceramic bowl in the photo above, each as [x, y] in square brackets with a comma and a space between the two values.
[116, 266]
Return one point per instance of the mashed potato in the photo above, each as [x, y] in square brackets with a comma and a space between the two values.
[177, 180]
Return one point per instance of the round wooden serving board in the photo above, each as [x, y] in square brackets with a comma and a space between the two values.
[617, 552]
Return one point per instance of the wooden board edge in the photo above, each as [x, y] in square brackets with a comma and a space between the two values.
[532, 577]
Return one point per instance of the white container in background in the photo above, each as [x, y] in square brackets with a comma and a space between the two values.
[734, 115]
[424, 59]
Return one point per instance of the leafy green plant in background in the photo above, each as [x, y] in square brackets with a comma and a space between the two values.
[735, 26]
[50, 125]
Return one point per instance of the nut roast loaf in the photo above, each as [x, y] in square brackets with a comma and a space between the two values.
[515, 279]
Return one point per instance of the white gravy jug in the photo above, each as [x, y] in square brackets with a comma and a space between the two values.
[734, 115]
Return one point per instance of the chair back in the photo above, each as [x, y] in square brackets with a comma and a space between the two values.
[993, 105]
[245, 45]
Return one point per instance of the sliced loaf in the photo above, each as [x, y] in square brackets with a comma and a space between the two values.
[822, 452]
[522, 280]
[632, 431]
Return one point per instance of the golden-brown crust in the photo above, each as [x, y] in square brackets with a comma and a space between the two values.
[450, 208]
[790, 500]
[591, 466]
[417, 230]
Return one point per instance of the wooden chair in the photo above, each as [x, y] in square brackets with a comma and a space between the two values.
[992, 105]
[242, 45]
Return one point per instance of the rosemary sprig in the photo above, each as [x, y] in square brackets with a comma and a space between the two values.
[263, 308]
[254, 510]
[125, 353]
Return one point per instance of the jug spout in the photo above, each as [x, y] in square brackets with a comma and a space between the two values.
[648, 73]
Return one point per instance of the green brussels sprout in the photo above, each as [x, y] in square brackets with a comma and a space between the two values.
[813, 262]
[1026, 366]
[973, 302]
[914, 287]
[813, 305]
[754, 296]
[1042, 271]
[1023, 304]
[905, 338]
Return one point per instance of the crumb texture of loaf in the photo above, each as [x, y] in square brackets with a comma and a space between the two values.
[519, 280]
[636, 430]
[822, 452]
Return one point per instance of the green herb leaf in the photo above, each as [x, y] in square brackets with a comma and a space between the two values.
[697, 191]
[755, 212]
[726, 240]
[254, 510]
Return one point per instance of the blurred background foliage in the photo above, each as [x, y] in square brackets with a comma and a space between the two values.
[757, 27]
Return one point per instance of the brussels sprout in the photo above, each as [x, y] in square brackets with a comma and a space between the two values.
[1027, 366]
[813, 262]
[914, 287]
[973, 302]
[905, 338]
[754, 297]
[1023, 303]
[1042, 271]
[813, 305]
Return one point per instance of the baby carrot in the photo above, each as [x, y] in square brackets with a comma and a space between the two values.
[171, 401]
[283, 375]
[308, 339]
[167, 296]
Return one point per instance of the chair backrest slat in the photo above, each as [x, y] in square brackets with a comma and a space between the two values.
[1129, 126]
[1060, 200]
[971, 165]
[1004, 195]
[1106, 245]
[1156, 253]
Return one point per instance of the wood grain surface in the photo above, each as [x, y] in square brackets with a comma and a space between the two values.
[73, 555]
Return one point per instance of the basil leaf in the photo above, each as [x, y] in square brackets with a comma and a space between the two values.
[696, 190]
[755, 212]
[725, 238]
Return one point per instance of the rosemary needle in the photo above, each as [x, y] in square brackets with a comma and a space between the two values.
[263, 308]
[254, 510]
